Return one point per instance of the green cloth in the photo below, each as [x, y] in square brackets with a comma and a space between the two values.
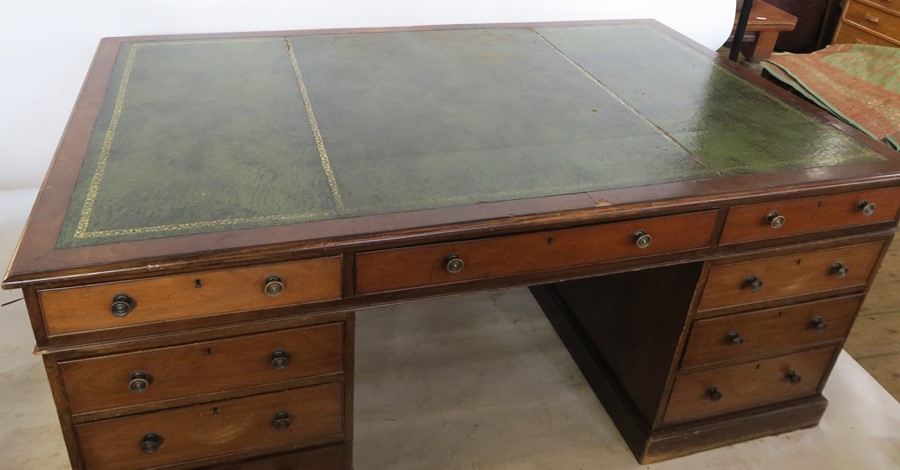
[199, 136]
[857, 83]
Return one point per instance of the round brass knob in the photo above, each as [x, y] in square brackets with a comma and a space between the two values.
[839, 269]
[713, 393]
[819, 323]
[735, 338]
[280, 359]
[792, 377]
[274, 286]
[122, 304]
[281, 420]
[150, 443]
[642, 239]
[754, 283]
[866, 207]
[140, 380]
[454, 264]
[774, 219]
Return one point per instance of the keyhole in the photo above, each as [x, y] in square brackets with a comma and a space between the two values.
[799, 260]
[216, 411]
[819, 204]
[208, 351]
[549, 240]
[197, 284]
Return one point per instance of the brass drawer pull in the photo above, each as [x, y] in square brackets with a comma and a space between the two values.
[792, 377]
[734, 338]
[872, 18]
[642, 239]
[774, 219]
[280, 359]
[454, 264]
[818, 323]
[150, 443]
[139, 382]
[281, 420]
[839, 269]
[122, 304]
[274, 286]
[754, 283]
[866, 207]
[713, 393]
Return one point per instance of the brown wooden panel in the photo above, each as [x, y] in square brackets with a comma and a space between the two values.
[789, 275]
[769, 331]
[810, 214]
[891, 5]
[849, 34]
[324, 458]
[71, 310]
[103, 382]
[875, 19]
[425, 265]
[747, 385]
[213, 429]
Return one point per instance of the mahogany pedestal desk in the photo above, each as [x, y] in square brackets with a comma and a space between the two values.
[219, 205]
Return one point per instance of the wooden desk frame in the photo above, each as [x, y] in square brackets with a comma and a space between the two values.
[39, 268]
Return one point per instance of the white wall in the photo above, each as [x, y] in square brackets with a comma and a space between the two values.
[46, 45]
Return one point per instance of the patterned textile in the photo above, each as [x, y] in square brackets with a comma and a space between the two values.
[857, 83]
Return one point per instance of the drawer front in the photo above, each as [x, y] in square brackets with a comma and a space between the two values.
[789, 275]
[716, 391]
[324, 458]
[156, 375]
[875, 19]
[891, 5]
[518, 254]
[77, 309]
[849, 34]
[769, 331]
[754, 222]
[202, 431]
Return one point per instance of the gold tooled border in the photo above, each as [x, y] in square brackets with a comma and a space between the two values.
[81, 230]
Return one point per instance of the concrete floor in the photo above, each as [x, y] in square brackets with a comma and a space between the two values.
[473, 382]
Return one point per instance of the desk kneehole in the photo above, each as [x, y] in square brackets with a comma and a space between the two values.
[445, 263]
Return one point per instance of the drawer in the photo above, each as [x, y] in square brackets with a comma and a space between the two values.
[785, 276]
[77, 309]
[314, 414]
[849, 34]
[157, 375]
[810, 214]
[875, 19]
[427, 265]
[891, 5]
[716, 391]
[769, 331]
[324, 458]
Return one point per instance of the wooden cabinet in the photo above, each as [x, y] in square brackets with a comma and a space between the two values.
[875, 22]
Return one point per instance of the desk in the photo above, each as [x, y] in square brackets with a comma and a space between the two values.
[220, 205]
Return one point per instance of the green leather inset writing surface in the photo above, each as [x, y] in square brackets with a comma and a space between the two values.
[212, 135]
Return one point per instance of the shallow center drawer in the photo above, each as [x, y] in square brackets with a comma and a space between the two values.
[304, 415]
[403, 268]
[778, 277]
[156, 375]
